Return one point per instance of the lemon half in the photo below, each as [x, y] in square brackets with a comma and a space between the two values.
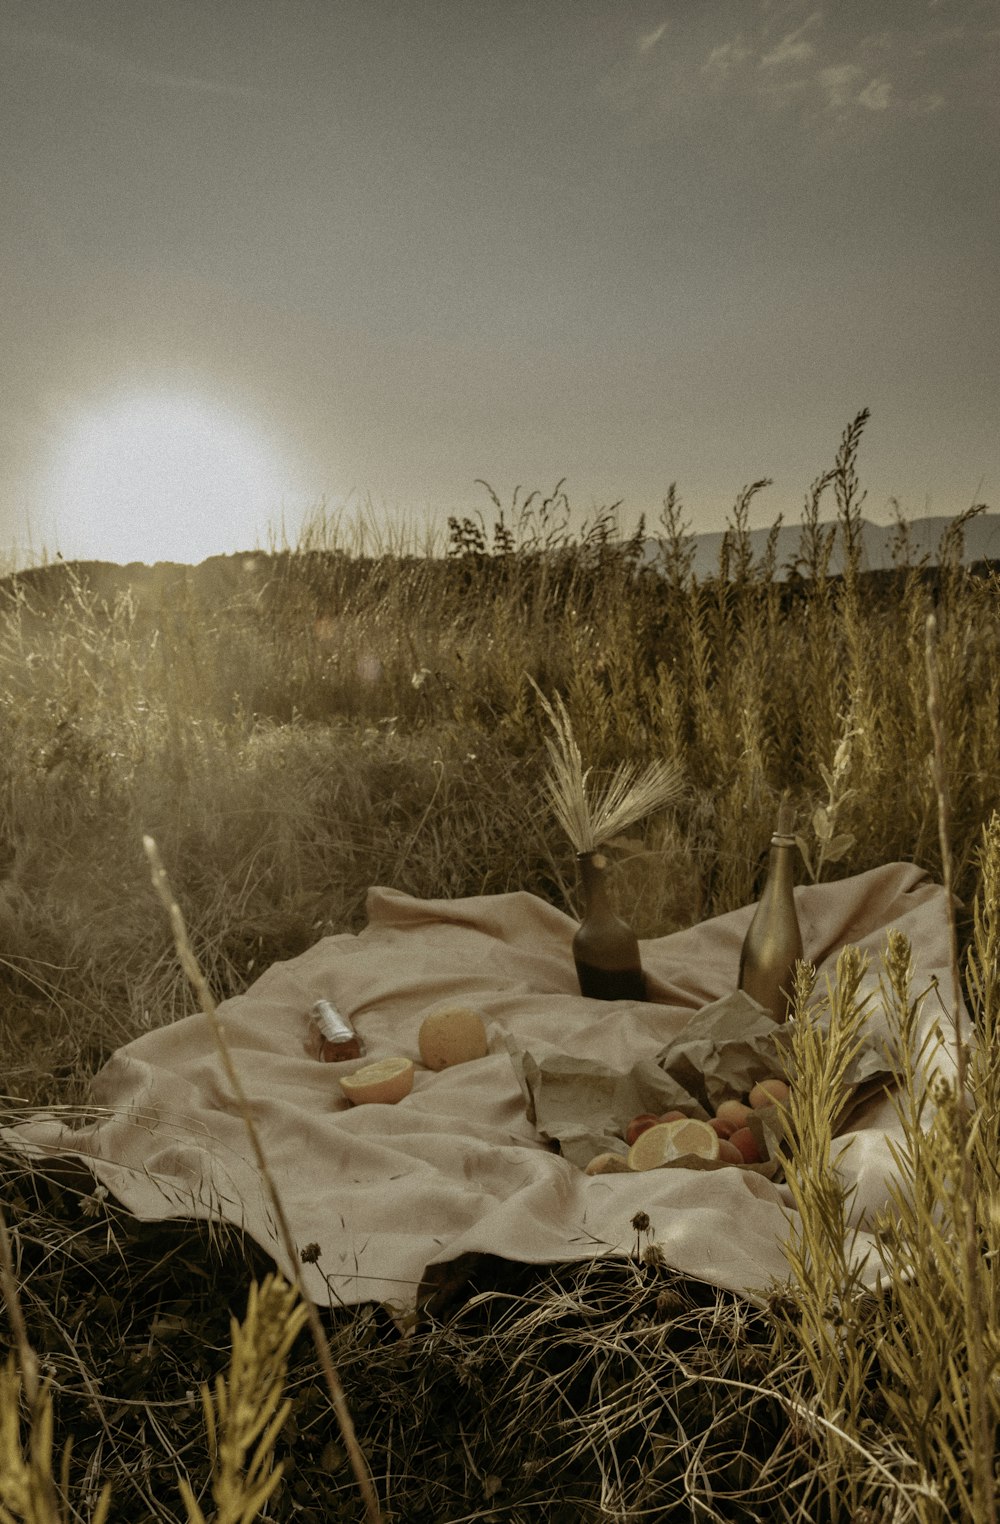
[386, 1081]
[668, 1141]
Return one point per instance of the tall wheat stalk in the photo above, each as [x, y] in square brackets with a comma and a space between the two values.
[824, 1041]
[29, 1493]
[192, 968]
[249, 1410]
[923, 1351]
[922, 1357]
[982, 1359]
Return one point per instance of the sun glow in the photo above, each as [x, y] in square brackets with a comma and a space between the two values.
[163, 476]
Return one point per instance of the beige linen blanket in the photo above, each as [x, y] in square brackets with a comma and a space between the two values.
[456, 1168]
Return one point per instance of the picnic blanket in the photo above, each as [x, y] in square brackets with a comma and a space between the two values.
[387, 1193]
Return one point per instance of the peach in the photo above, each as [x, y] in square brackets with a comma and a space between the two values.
[638, 1125]
[733, 1111]
[769, 1092]
[721, 1126]
[744, 1140]
[607, 1164]
[729, 1153]
[673, 1116]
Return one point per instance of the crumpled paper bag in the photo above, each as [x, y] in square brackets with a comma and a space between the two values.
[584, 1106]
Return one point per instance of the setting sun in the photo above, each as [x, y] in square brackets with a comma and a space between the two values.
[156, 476]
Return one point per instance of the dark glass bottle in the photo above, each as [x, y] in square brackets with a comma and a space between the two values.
[605, 949]
[774, 941]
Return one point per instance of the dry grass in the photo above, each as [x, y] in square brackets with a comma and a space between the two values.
[335, 717]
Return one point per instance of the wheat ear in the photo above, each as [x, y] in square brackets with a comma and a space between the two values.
[984, 1492]
[249, 1411]
[591, 817]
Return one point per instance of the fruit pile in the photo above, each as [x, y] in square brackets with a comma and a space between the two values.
[726, 1138]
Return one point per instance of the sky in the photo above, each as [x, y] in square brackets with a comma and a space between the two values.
[263, 258]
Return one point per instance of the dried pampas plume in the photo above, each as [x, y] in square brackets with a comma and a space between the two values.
[593, 817]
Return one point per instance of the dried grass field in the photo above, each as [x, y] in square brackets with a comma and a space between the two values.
[340, 714]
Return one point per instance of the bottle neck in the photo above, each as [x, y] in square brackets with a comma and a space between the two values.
[780, 868]
[593, 875]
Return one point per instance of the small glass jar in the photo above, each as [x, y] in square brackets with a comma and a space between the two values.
[332, 1039]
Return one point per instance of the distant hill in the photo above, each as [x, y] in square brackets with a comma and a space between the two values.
[981, 534]
[215, 580]
[268, 579]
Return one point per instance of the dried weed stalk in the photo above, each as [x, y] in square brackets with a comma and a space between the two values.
[831, 845]
[192, 968]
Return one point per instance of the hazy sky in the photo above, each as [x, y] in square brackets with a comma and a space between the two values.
[256, 254]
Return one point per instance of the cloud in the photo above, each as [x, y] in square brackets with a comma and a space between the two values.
[838, 83]
[790, 50]
[829, 70]
[794, 47]
[841, 88]
[649, 41]
[123, 70]
[876, 96]
[728, 56]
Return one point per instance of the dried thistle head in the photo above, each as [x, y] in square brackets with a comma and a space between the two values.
[591, 816]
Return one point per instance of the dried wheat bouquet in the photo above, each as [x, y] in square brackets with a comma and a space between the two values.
[592, 816]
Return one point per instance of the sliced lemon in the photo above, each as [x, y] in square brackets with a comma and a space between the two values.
[385, 1081]
[668, 1141]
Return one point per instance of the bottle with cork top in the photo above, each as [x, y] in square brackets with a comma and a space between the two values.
[774, 942]
[605, 949]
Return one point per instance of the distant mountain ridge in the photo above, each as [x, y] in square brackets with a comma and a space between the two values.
[981, 543]
[218, 580]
